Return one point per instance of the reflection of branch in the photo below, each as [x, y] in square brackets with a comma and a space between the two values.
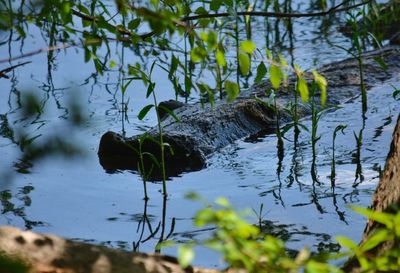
[49, 49]
[35, 52]
[8, 69]
[333, 10]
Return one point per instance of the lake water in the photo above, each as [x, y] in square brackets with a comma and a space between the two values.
[75, 198]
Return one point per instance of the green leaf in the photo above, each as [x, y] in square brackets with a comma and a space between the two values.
[377, 238]
[346, 242]
[284, 64]
[173, 66]
[248, 46]
[150, 89]
[198, 54]
[215, 5]
[269, 54]
[201, 10]
[188, 85]
[244, 63]
[124, 87]
[219, 55]
[112, 64]
[134, 23]
[322, 84]
[223, 202]
[83, 9]
[185, 255]
[261, 72]
[209, 38]
[396, 94]
[275, 75]
[381, 62]
[20, 31]
[144, 111]
[88, 54]
[232, 90]
[302, 87]
[380, 217]
[203, 217]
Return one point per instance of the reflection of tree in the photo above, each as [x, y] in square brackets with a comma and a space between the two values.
[162, 237]
[144, 221]
[291, 233]
[359, 177]
[9, 206]
[339, 212]
[295, 168]
[148, 229]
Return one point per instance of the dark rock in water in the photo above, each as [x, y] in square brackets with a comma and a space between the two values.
[203, 130]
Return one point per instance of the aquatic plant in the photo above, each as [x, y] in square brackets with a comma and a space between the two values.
[243, 246]
[139, 74]
[339, 128]
[320, 82]
[277, 75]
[356, 52]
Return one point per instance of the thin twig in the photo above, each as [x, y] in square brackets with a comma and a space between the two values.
[121, 30]
[35, 52]
[8, 69]
[276, 14]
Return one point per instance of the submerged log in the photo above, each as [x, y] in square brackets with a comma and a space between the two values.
[203, 130]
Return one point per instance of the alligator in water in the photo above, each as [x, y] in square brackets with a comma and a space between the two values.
[203, 129]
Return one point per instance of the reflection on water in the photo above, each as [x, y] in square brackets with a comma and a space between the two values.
[14, 207]
[304, 199]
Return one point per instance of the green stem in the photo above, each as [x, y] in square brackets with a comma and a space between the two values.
[219, 81]
[237, 46]
[160, 131]
[362, 85]
[142, 171]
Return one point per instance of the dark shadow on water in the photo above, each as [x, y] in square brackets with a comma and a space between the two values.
[148, 228]
[14, 205]
[359, 177]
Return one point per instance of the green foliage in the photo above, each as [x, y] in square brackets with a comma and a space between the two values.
[302, 86]
[261, 72]
[12, 265]
[244, 63]
[232, 89]
[370, 257]
[322, 84]
[243, 246]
